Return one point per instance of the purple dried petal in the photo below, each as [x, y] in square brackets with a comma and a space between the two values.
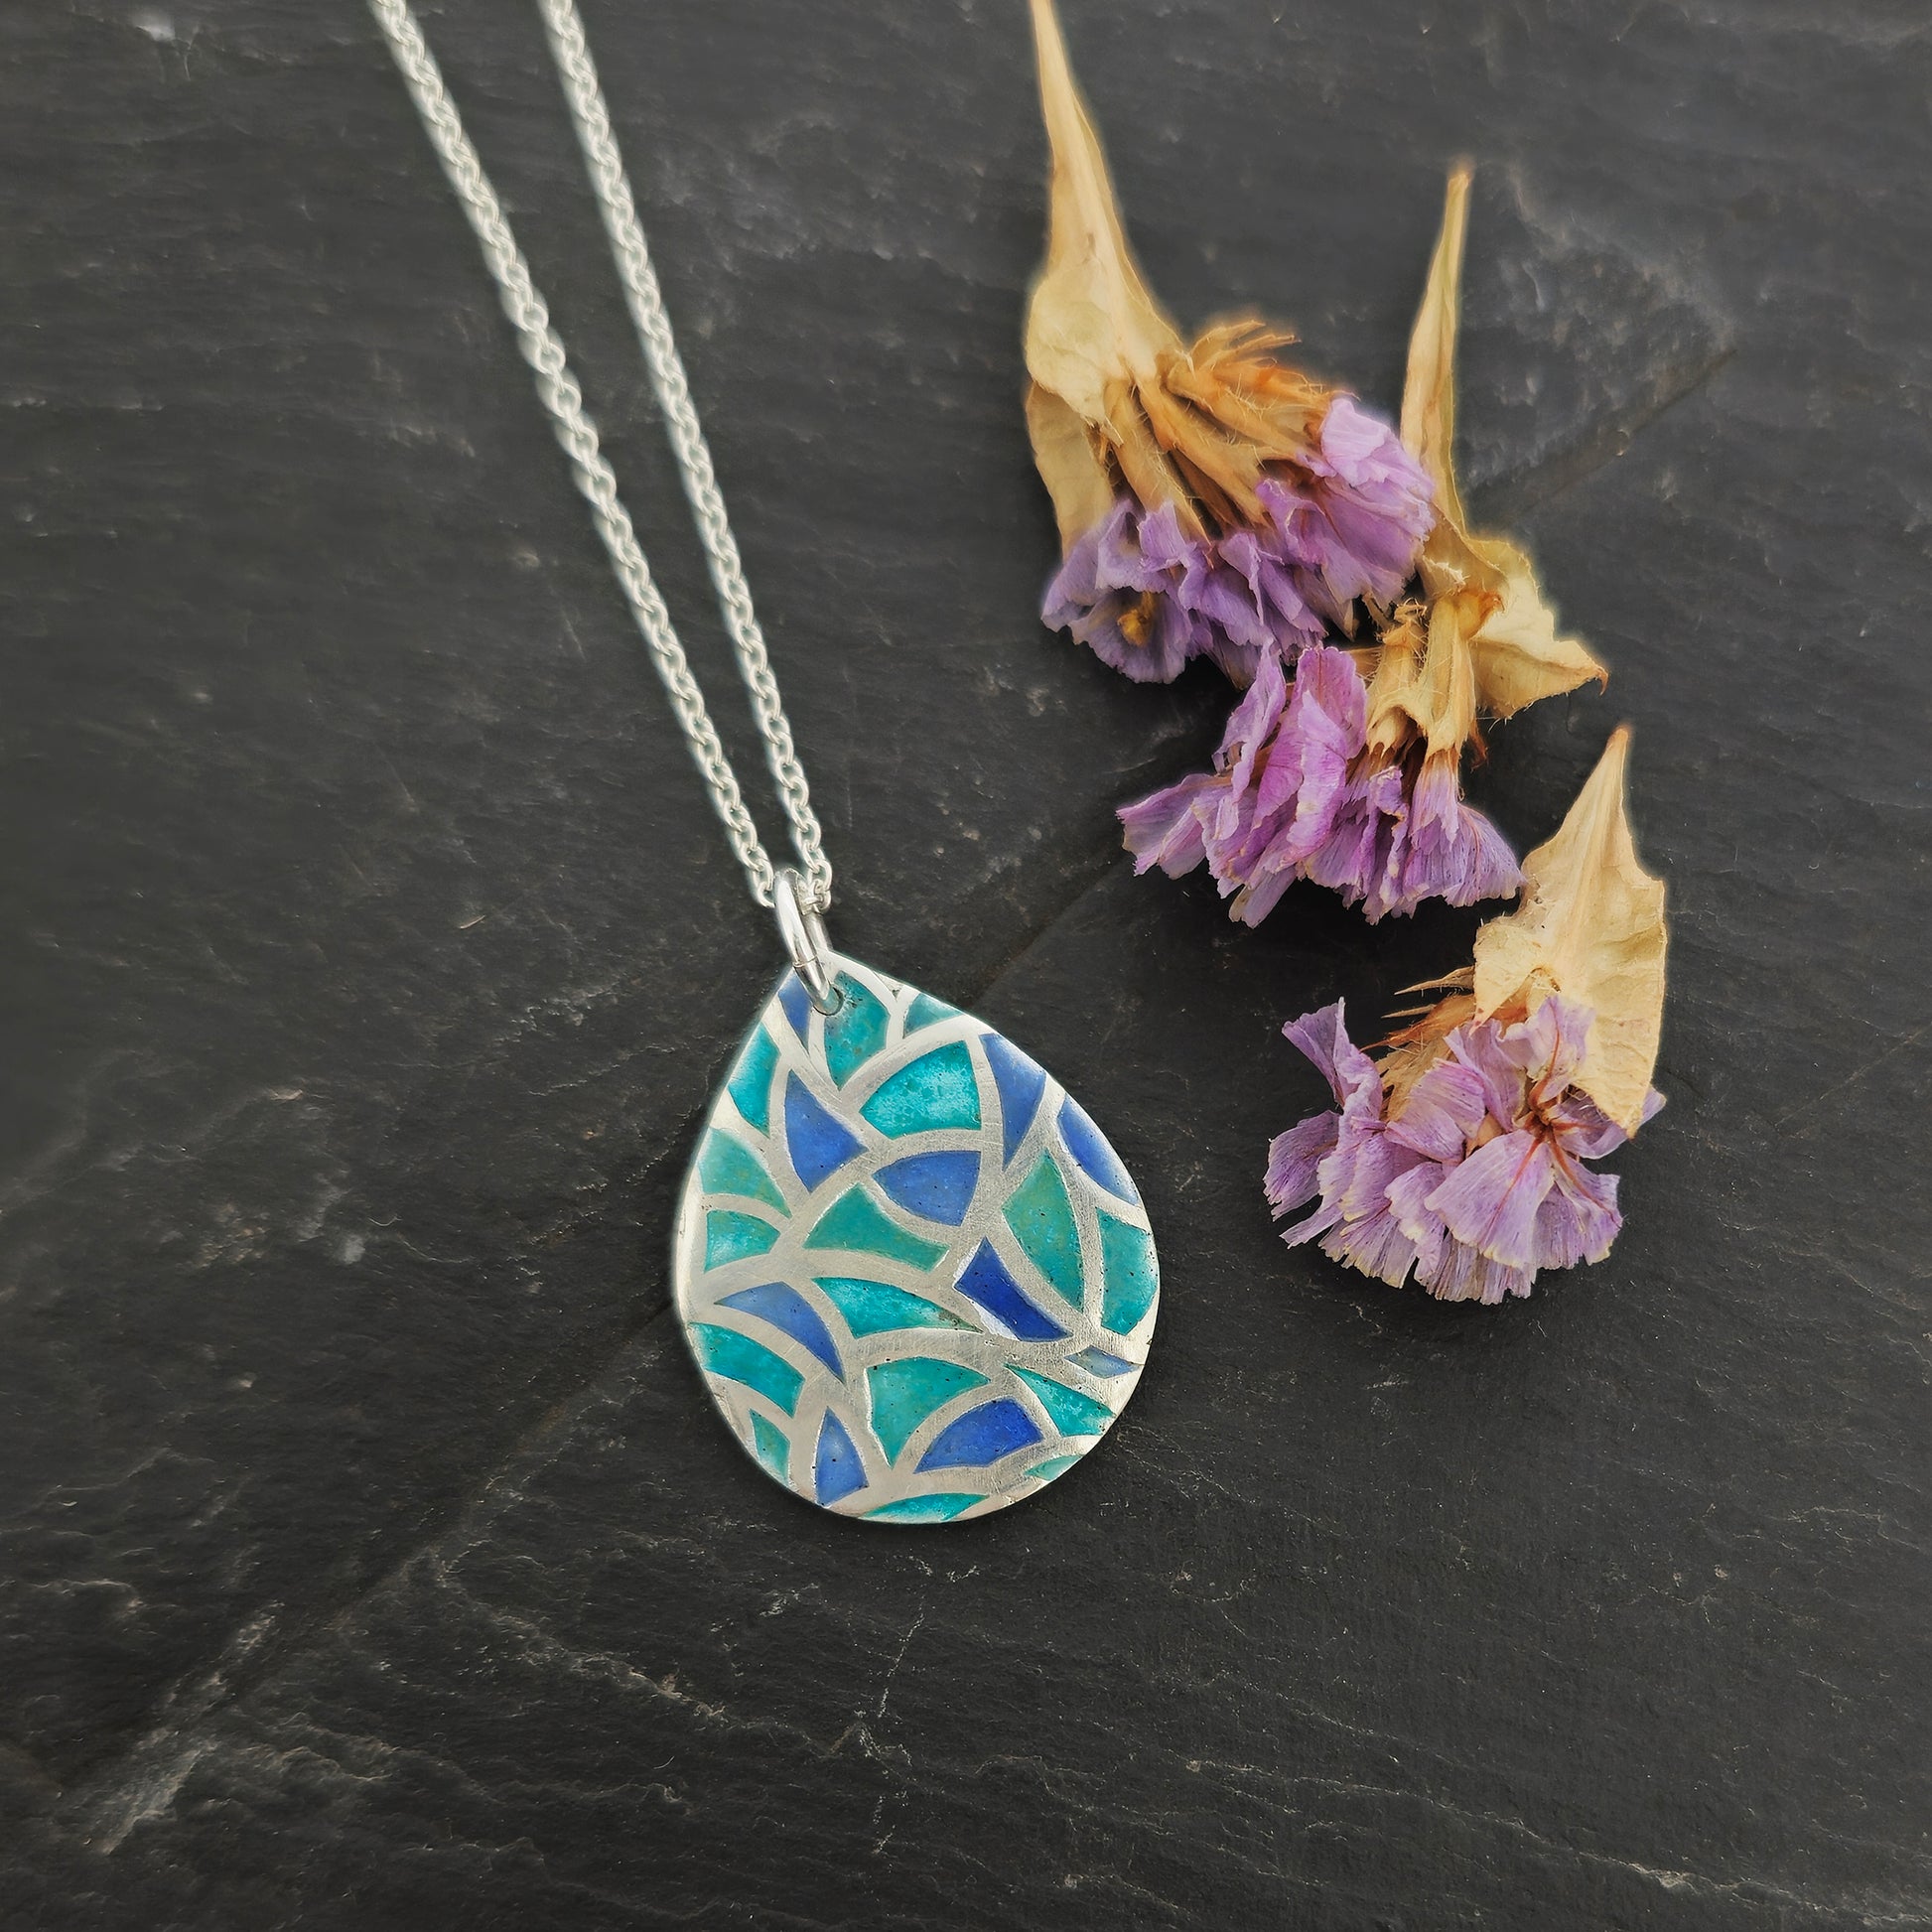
[1307, 767]
[1364, 1164]
[1479, 1047]
[1259, 896]
[1409, 1202]
[1292, 1159]
[1378, 499]
[1326, 1214]
[1437, 847]
[1165, 828]
[1444, 1109]
[1252, 722]
[1462, 1274]
[1224, 596]
[1490, 1200]
[1147, 638]
[1323, 1037]
[1116, 592]
[1161, 553]
[1076, 584]
[1578, 1218]
[1354, 528]
[1375, 1244]
[1548, 1045]
[1581, 1128]
[1270, 599]
[1345, 861]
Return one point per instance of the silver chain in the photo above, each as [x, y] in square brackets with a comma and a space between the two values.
[543, 349]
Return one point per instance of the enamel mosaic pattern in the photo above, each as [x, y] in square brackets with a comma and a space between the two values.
[918, 1281]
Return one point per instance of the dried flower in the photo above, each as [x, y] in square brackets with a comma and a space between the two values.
[1295, 795]
[1483, 602]
[1460, 1156]
[1211, 501]
[1478, 1181]
[1479, 642]
[1394, 829]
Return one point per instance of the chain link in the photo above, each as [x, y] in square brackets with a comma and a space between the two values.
[646, 302]
[543, 349]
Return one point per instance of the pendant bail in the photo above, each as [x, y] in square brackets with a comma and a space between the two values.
[803, 933]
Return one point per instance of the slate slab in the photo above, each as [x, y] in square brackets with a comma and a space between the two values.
[367, 1556]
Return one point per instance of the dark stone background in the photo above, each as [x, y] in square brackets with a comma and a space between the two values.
[371, 1560]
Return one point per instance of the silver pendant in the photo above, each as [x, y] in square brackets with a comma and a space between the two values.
[918, 1281]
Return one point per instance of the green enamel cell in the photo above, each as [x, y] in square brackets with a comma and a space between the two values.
[737, 1358]
[1042, 1219]
[1073, 1414]
[925, 1011]
[769, 1443]
[1132, 1275]
[854, 1222]
[1054, 1466]
[750, 1085]
[856, 1032]
[873, 1309]
[727, 1166]
[938, 1089]
[905, 1393]
[730, 1237]
[940, 1508]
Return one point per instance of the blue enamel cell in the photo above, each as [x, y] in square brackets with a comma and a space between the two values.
[986, 1279]
[1088, 1145]
[1096, 1361]
[938, 1186]
[837, 1469]
[1020, 1082]
[797, 1002]
[782, 1305]
[819, 1144]
[982, 1436]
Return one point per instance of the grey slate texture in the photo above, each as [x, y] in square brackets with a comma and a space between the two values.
[368, 1556]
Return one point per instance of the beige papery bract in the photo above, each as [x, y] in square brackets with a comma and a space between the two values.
[1591, 927]
[1117, 396]
[1480, 642]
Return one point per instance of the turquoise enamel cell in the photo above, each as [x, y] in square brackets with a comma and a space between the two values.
[917, 1282]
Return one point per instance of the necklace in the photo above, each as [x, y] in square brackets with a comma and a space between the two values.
[918, 1282]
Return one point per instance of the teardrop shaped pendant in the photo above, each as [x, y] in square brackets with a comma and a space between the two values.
[917, 1279]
